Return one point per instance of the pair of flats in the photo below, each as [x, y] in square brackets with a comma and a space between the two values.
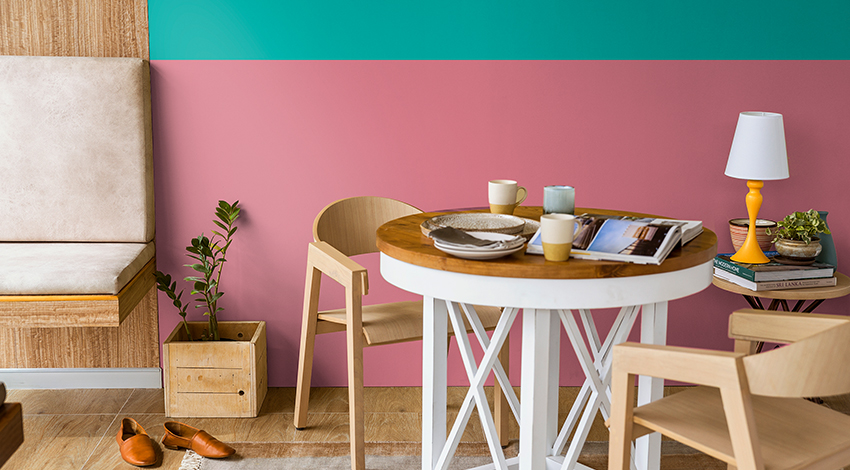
[138, 449]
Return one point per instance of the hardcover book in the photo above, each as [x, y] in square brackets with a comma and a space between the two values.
[773, 270]
[775, 285]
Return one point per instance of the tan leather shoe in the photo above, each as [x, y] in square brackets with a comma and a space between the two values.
[134, 443]
[179, 435]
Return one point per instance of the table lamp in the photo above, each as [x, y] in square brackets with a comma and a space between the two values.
[757, 154]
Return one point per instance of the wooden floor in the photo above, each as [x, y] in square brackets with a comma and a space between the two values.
[75, 429]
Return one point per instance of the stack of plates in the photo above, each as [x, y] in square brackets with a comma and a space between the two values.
[510, 244]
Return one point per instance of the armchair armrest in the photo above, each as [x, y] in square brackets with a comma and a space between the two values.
[336, 265]
[760, 325]
[698, 366]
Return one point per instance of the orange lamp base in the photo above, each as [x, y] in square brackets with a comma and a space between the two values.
[750, 251]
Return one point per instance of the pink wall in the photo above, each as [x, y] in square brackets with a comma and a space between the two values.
[288, 137]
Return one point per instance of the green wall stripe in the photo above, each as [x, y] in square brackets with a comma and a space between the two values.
[499, 29]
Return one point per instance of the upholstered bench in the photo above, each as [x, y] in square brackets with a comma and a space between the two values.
[76, 214]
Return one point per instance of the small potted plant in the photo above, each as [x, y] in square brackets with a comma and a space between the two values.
[796, 238]
[212, 368]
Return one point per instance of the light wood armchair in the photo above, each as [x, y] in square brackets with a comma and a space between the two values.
[749, 411]
[342, 229]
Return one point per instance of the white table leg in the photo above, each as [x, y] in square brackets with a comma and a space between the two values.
[534, 433]
[434, 380]
[653, 330]
[554, 379]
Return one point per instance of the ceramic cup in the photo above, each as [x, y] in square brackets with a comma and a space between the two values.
[557, 236]
[559, 200]
[738, 229]
[505, 195]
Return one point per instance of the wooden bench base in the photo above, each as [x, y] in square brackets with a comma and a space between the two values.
[116, 331]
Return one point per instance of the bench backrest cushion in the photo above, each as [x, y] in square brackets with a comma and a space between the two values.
[75, 150]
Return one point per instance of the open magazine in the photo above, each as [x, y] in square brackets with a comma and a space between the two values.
[619, 238]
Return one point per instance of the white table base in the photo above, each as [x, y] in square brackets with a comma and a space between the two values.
[541, 445]
[542, 302]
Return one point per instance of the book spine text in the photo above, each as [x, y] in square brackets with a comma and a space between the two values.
[734, 269]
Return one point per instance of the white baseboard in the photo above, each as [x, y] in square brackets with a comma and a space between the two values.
[81, 378]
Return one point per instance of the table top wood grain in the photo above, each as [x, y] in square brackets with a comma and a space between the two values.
[403, 240]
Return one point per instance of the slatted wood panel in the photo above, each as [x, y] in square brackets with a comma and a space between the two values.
[89, 28]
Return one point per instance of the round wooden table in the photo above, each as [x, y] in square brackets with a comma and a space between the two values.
[546, 292]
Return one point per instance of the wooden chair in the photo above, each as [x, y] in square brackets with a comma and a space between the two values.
[342, 229]
[748, 412]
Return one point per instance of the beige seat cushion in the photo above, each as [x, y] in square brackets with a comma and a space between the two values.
[76, 164]
[70, 268]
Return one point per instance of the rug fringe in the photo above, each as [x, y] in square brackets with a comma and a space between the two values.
[191, 461]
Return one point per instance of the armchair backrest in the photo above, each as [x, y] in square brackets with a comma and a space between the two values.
[817, 366]
[349, 225]
[77, 158]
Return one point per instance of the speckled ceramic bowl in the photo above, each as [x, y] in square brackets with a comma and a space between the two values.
[478, 222]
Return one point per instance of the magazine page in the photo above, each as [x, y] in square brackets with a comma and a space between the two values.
[614, 238]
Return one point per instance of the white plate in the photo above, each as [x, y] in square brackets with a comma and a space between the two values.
[489, 236]
[479, 255]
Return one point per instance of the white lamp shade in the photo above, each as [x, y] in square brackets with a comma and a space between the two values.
[758, 148]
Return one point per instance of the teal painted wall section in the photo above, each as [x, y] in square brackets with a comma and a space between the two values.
[498, 29]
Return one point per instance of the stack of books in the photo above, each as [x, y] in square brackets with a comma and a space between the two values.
[773, 275]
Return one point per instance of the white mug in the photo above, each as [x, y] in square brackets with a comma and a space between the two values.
[557, 231]
[505, 195]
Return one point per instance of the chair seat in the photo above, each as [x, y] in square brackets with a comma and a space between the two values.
[401, 321]
[70, 268]
[792, 431]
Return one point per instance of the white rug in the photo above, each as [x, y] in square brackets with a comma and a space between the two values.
[193, 461]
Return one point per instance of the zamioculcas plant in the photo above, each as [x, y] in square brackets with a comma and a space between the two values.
[209, 256]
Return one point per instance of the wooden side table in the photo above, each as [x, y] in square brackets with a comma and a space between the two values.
[780, 298]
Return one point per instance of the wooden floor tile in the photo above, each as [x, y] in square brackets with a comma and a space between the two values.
[280, 400]
[380, 427]
[145, 401]
[59, 442]
[335, 400]
[70, 402]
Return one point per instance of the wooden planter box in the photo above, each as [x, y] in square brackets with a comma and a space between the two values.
[217, 379]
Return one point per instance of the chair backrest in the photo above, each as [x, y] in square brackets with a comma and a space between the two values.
[77, 154]
[817, 366]
[349, 225]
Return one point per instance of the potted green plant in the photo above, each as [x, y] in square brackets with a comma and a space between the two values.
[213, 368]
[210, 256]
[795, 236]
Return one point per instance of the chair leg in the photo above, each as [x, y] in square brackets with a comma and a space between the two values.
[308, 336]
[501, 410]
[622, 415]
[356, 415]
